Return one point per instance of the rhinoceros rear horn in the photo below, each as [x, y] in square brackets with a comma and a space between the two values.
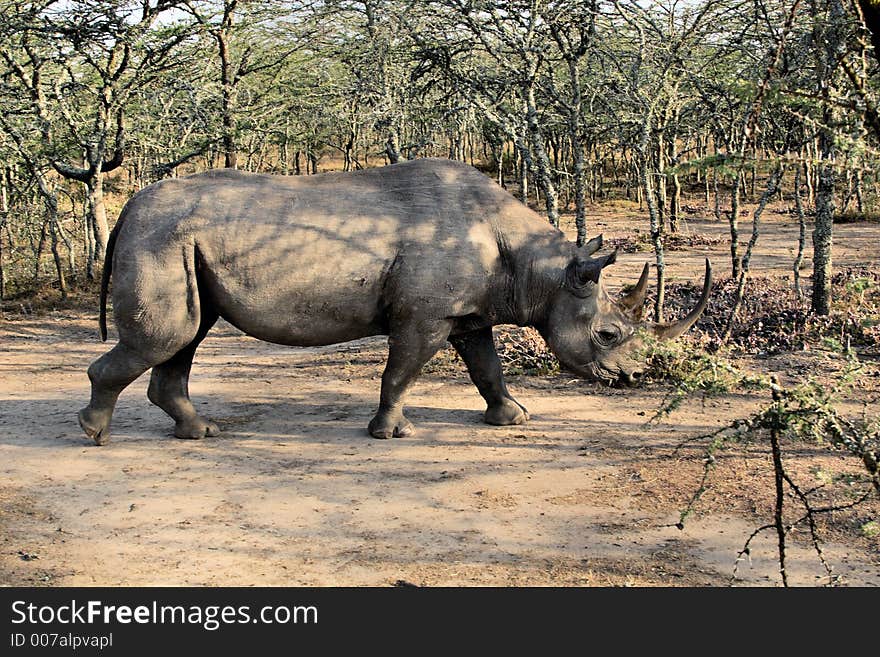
[581, 272]
[633, 302]
[671, 330]
[592, 246]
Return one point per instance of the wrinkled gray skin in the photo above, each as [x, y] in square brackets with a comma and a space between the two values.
[424, 252]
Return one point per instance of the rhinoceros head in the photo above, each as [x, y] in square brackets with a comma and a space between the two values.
[596, 336]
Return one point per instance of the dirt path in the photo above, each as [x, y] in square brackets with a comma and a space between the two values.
[295, 493]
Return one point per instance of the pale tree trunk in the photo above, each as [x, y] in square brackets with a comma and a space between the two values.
[808, 176]
[541, 160]
[675, 201]
[4, 211]
[772, 185]
[660, 189]
[858, 191]
[734, 225]
[831, 35]
[717, 208]
[802, 232]
[392, 148]
[675, 204]
[580, 217]
[823, 229]
[577, 152]
[97, 216]
[228, 85]
[647, 186]
[706, 190]
[56, 257]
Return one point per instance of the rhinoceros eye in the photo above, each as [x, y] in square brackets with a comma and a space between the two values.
[606, 337]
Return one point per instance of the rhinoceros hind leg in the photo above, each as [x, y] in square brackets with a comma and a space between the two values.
[110, 374]
[477, 350]
[409, 348]
[169, 388]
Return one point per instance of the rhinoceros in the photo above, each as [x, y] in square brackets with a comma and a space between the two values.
[423, 251]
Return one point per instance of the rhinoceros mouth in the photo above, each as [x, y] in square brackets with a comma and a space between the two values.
[598, 372]
[610, 375]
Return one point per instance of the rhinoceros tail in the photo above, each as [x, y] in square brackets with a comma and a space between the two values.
[105, 283]
[105, 275]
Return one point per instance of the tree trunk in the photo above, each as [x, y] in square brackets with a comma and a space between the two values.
[523, 174]
[808, 176]
[4, 213]
[542, 162]
[717, 194]
[284, 156]
[228, 86]
[823, 228]
[392, 148]
[831, 35]
[646, 184]
[660, 189]
[802, 233]
[675, 204]
[772, 184]
[580, 213]
[2, 270]
[38, 252]
[752, 182]
[858, 188]
[675, 201]
[56, 256]
[97, 220]
[706, 190]
[734, 225]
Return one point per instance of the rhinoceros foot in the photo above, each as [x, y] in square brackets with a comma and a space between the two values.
[195, 428]
[506, 413]
[390, 425]
[96, 424]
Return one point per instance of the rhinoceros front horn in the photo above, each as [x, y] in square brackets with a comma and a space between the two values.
[671, 330]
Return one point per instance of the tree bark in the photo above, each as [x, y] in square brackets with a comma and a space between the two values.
[228, 85]
[772, 184]
[656, 225]
[541, 160]
[802, 233]
[734, 225]
[823, 229]
[829, 37]
[97, 214]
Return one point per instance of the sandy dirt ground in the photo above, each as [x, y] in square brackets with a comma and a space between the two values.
[295, 493]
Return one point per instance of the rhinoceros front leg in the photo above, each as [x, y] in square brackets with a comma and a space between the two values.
[477, 350]
[409, 348]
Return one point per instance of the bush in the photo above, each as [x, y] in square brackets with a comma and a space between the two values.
[773, 320]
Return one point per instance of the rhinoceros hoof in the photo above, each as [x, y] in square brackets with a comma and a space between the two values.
[195, 429]
[385, 427]
[506, 413]
[96, 424]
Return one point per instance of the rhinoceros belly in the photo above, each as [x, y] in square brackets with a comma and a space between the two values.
[306, 285]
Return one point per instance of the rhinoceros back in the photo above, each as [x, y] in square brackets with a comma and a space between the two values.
[310, 260]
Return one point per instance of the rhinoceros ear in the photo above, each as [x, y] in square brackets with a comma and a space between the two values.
[582, 273]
